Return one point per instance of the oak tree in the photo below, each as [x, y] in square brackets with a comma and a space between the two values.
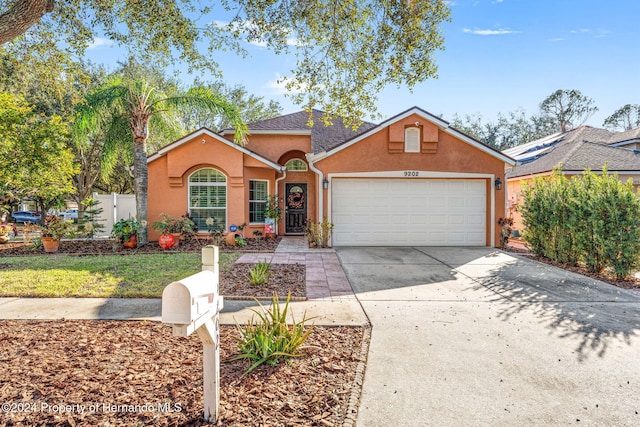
[346, 51]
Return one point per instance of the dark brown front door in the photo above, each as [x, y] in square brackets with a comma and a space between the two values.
[296, 208]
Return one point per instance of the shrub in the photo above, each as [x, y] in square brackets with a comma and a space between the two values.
[592, 218]
[319, 233]
[270, 339]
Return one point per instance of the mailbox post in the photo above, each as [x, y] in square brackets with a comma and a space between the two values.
[194, 304]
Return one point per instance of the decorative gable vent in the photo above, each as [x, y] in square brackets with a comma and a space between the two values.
[412, 140]
[413, 136]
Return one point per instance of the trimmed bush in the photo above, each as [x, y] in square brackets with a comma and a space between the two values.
[594, 219]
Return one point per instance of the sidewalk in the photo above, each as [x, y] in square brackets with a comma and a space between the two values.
[331, 300]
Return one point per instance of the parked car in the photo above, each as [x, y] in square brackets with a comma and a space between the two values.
[25, 216]
[70, 214]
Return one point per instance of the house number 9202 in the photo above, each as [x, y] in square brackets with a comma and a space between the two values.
[411, 173]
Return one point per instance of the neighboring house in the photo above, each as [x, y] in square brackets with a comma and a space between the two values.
[582, 148]
[410, 180]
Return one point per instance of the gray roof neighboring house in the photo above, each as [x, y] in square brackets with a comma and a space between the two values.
[323, 138]
[576, 150]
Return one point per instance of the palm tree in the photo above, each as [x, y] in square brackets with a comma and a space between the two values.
[126, 108]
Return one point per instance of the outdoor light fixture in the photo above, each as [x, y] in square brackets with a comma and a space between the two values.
[325, 184]
[498, 183]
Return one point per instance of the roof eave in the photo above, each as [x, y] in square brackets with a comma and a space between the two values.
[204, 131]
[442, 124]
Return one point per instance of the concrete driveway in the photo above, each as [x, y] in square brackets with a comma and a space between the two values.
[475, 336]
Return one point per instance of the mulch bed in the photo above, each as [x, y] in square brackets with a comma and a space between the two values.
[128, 373]
[284, 279]
[111, 247]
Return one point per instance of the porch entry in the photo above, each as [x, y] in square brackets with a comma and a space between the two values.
[295, 208]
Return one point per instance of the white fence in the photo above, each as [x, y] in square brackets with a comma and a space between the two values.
[114, 208]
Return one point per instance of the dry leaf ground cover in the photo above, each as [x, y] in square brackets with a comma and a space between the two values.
[100, 246]
[282, 279]
[109, 373]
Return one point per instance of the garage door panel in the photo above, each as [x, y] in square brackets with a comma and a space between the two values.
[475, 220]
[456, 220]
[404, 212]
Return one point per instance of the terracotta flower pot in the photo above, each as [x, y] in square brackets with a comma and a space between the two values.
[50, 244]
[132, 242]
[230, 238]
[176, 238]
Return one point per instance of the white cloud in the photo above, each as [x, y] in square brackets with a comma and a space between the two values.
[99, 41]
[557, 39]
[489, 32]
[278, 86]
[598, 33]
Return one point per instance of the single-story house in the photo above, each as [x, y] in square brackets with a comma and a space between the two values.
[575, 150]
[410, 180]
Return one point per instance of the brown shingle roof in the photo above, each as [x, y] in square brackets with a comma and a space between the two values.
[579, 149]
[323, 137]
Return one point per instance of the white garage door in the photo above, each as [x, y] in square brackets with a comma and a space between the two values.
[408, 212]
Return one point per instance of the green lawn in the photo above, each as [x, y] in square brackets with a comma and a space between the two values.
[119, 276]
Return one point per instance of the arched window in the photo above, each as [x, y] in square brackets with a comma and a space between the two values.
[296, 165]
[412, 140]
[208, 199]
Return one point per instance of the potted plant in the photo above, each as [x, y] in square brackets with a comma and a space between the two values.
[318, 233]
[180, 228]
[272, 214]
[126, 232]
[233, 237]
[5, 232]
[53, 229]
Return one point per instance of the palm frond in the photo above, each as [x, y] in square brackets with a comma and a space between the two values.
[206, 99]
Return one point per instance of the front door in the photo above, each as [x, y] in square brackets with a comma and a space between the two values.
[296, 208]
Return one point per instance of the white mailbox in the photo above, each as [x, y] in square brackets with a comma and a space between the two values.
[193, 304]
[189, 299]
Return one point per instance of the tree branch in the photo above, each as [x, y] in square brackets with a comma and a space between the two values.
[21, 16]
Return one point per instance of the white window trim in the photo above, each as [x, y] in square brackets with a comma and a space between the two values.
[411, 149]
[210, 184]
[250, 200]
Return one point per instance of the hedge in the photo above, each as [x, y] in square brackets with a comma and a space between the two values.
[591, 218]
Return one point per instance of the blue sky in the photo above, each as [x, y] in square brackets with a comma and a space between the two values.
[499, 55]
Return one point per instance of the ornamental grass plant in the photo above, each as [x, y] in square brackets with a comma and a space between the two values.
[259, 273]
[270, 339]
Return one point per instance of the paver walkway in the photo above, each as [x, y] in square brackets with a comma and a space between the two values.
[324, 275]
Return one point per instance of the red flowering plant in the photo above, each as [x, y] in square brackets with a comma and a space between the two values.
[55, 227]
